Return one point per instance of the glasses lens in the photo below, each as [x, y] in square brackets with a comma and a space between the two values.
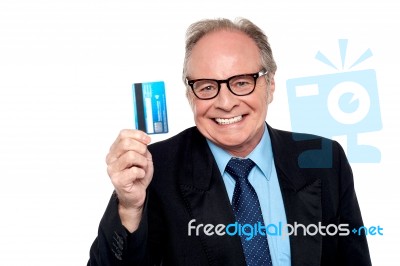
[242, 85]
[205, 88]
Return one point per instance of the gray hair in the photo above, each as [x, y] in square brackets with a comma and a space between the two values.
[201, 28]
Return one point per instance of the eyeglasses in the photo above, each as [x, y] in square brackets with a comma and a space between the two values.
[240, 85]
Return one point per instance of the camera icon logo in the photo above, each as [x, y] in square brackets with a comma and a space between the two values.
[344, 103]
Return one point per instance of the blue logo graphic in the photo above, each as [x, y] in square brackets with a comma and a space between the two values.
[344, 103]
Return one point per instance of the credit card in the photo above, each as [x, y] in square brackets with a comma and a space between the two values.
[150, 108]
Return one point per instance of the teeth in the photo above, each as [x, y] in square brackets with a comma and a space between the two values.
[228, 121]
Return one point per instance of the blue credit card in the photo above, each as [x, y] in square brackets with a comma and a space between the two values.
[150, 108]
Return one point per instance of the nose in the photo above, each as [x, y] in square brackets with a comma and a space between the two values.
[226, 100]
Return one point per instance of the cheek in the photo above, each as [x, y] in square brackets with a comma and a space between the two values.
[259, 106]
[261, 101]
[199, 109]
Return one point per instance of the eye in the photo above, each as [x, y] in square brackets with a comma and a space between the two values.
[208, 88]
[242, 82]
[205, 86]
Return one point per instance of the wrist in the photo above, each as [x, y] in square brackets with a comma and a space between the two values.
[130, 217]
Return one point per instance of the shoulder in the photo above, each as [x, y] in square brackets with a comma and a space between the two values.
[290, 136]
[297, 139]
[308, 150]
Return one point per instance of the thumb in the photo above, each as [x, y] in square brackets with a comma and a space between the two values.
[150, 167]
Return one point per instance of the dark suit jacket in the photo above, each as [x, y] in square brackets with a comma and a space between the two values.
[316, 187]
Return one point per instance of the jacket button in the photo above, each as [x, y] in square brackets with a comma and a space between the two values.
[117, 246]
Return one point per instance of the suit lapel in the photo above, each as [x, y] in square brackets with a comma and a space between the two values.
[207, 201]
[301, 192]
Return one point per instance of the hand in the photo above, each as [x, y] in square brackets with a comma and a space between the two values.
[130, 167]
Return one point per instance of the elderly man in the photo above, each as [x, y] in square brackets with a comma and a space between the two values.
[229, 191]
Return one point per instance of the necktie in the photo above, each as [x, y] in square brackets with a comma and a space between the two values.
[248, 211]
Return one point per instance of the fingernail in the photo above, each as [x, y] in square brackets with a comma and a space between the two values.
[146, 139]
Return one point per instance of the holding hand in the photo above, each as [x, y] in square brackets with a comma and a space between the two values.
[130, 167]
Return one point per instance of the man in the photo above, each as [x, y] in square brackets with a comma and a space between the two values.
[175, 200]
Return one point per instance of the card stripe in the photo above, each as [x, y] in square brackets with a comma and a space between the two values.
[140, 107]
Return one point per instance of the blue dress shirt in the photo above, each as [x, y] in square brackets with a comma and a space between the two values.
[265, 182]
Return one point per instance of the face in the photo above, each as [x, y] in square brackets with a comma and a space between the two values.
[234, 123]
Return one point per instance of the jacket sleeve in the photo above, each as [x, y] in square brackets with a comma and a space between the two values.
[115, 245]
[352, 249]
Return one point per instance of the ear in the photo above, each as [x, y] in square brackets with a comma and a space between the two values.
[271, 87]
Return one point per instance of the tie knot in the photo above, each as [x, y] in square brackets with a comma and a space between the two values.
[239, 168]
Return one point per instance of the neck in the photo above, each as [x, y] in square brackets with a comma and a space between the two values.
[245, 149]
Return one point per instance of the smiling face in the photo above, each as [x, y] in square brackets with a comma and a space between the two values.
[234, 123]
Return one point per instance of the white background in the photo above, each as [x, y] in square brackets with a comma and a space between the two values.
[66, 70]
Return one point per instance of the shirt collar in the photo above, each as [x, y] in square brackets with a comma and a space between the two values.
[261, 155]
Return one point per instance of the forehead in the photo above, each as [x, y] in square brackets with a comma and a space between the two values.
[224, 53]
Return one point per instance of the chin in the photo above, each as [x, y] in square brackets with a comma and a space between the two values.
[232, 142]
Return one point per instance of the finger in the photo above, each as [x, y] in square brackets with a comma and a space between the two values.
[150, 167]
[128, 140]
[128, 160]
[149, 170]
[127, 180]
[135, 134]
[139, 176]
[124, 146]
